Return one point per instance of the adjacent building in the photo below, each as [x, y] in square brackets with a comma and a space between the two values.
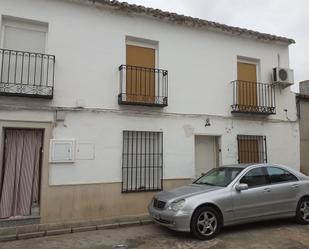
[103, 103]
[303, 110]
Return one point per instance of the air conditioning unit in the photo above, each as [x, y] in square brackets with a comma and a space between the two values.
[283, 76]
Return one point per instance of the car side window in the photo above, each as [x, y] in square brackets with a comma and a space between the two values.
[255, 178]
[278, 175]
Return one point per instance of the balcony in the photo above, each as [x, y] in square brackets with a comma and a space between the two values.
[26, 74]
[143, 86]
[253, 98]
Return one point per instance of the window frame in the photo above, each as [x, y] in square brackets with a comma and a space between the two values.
[24, 24]
[252, 61]
[144, 43]
[260, 139]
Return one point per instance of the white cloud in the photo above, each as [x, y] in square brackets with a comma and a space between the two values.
[280, 17]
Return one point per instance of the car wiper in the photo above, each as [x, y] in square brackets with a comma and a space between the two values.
[206, 183]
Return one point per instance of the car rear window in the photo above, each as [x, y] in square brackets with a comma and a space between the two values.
[278, 175]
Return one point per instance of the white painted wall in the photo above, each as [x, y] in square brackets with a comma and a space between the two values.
[89, 45]
[104, 129]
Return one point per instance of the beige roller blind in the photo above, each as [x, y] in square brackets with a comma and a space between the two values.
[24, 36]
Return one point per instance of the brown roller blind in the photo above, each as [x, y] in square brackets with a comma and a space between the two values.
[246, 87]
[248, 151]
[140, 81]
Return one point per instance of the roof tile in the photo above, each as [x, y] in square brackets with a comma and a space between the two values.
[191, 21]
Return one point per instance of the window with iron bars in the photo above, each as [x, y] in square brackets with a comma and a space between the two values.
[142, 161]
[252, 149]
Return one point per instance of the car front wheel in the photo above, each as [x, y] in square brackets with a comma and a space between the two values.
[302, 213]
[205, 223]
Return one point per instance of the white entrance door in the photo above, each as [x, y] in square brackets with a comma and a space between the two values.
[206, 154]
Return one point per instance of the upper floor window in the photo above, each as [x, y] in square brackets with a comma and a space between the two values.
[278, 175]
[141, 82]
[25, 68]
[251, 96]
[24, 35]
[247, 71]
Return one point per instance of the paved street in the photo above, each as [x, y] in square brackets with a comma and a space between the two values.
[270, 235]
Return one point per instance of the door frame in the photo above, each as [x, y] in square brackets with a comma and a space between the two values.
[218, 141]
[40, 159]
[44, 174]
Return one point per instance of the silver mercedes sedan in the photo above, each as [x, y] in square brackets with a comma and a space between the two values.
[231, 195]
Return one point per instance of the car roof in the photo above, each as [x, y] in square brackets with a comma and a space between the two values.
[247, 165]
[242, 165]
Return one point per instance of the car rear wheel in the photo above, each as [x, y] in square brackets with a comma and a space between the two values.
[205, 223]
[302, 213]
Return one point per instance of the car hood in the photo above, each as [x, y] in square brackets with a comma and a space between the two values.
[185, 192]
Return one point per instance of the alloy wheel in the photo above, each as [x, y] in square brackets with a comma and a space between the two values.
[207, 223]
[304, 210]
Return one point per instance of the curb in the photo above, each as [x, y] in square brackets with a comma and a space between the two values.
[41, 230]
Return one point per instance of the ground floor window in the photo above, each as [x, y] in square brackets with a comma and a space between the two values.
[142, 161]
[252, 149]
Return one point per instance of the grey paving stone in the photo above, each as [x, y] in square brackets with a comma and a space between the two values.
[8, 237]
[58, 232]
[83, 229]
[108, 226]
[129, 223]
[31, 235]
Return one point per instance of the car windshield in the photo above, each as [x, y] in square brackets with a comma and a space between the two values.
[221, 176]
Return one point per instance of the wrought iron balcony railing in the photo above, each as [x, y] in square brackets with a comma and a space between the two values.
[253, 97]
[143, 86]
[26, 74]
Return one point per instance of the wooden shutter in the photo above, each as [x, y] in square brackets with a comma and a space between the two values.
[140, 86]
[246, 87]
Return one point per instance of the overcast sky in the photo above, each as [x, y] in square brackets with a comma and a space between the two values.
[288, 18]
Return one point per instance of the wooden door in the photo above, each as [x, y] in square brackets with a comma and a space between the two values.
[246, 87]
[140, 86]
[248, 150]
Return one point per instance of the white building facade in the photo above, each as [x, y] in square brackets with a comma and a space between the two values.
[112, 134]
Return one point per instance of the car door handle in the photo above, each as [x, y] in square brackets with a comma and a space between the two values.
[267, 190]
[295, 186]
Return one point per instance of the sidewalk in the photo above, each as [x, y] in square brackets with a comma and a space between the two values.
[270, 235]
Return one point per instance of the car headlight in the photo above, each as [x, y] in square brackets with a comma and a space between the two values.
[177, 205]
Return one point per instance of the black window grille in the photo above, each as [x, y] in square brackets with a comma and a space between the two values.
[142, 161]
[252, 149]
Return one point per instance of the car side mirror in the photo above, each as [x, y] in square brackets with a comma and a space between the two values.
[241, 187]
